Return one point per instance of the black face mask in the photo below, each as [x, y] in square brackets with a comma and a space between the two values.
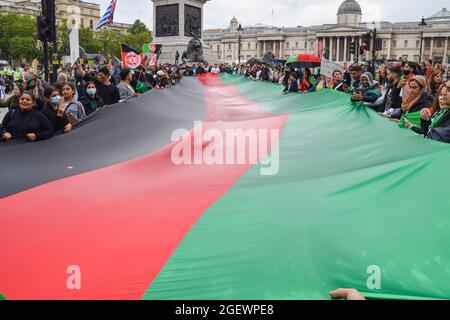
[406, 72]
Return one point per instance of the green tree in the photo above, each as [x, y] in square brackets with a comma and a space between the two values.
[18, 27]
[21, 47]
[138, 27]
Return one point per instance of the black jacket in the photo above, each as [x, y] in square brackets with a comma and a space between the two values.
[109, 94]
[392, 98]
[292, 88]
[91, 104]
[425, 101]
[19, 123]
[439, 133]
[58, 123]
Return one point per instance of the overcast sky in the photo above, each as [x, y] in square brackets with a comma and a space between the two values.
[285, 12]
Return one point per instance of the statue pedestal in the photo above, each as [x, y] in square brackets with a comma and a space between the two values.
[175, 23]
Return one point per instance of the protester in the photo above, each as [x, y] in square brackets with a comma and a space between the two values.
[26, 121]
[91, 101]
[105, 89]
[419, 96]
[73, 109]
[392, 101]
[368, 91]
[13, 102]
[436, 126]
[291, 86]
[436, 83]
[126, 91]
[54, 112]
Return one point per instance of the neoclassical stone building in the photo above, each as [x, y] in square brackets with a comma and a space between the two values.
[400, 39]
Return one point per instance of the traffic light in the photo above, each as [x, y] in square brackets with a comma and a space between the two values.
[378, 44]
[353, 48]
[366, 39]
[44, 28]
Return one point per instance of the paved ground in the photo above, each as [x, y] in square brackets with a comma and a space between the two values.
[3, 111]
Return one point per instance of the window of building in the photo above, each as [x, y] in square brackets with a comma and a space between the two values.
[296, 45]
[439, 44]
[418, 43]
[306, 43]
[249, 46]
[229, 46]
[91, 24]
[218, 47]
[394, 43]
[384, 44]
[287, 44]
[406, 43]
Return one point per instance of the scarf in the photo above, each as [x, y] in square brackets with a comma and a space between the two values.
[437, 119]
[410, 100]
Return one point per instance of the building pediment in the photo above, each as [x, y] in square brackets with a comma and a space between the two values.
[337, 29]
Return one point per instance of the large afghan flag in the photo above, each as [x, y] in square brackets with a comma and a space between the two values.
[356, 202]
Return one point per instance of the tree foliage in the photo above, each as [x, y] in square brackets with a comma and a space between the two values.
[18, 38]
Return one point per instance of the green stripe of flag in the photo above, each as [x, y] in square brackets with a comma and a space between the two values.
[357, 203]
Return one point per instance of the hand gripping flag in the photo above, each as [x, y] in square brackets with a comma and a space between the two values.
[108, 17]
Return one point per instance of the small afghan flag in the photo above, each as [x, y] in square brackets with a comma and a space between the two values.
[149, 48]
[131, 58]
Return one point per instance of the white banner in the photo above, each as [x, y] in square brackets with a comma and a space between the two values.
[74, 46]
[327, 67]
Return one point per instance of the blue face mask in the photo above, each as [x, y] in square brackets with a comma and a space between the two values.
[91, 91]
[55, 100]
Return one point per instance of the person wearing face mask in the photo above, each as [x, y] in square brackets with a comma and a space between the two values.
[436, 126]
[105, 89]
[91, 100]
[54, 113]
[26, 121]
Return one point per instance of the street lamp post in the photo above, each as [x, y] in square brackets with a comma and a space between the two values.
[239, 30]
[422, 25]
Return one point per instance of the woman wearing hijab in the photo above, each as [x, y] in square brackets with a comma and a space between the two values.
[419, 97]
[368, 93]
[436, 126]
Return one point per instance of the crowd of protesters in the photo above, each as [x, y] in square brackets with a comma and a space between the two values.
[38, 110]
[417, 96]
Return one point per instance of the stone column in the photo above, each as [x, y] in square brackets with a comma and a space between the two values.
[345, 48]
[431, 48]
[264, 48]
[331, 48]
[281, 49]
[338, 49]
[389, 43]
[352, 56]
[444, 60]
